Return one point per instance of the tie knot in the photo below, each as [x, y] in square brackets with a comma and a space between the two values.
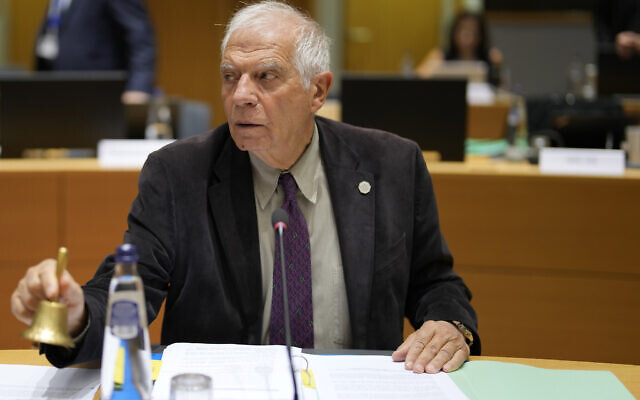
[289, 185]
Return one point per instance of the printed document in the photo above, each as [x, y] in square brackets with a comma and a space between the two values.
[236, 371]
[19, 382]
[360, 377]
[263, 372]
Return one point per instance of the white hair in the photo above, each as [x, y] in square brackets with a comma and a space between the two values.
[311, 54]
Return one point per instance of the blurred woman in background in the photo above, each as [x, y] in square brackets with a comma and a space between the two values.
[468, 41]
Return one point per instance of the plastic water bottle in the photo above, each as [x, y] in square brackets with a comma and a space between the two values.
[126, 353]
[159, 119]
[517, 129]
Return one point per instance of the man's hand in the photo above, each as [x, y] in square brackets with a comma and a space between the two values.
[437, 345]
[135, 97]
[40, 283]
[627, 44]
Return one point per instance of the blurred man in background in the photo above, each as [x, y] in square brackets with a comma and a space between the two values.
[99, 35]
[618, 24]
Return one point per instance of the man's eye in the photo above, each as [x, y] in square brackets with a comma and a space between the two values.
[267, 76]
[228, 77]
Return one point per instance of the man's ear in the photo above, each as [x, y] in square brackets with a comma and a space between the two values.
[320, 85]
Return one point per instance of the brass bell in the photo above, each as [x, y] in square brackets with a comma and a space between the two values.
[50, 322]
[50, 325]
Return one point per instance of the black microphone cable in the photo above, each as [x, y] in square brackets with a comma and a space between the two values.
[280, 220]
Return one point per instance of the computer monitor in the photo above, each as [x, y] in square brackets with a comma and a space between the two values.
[581, 123]
[431, 112]
[616, 75]
[59, 110]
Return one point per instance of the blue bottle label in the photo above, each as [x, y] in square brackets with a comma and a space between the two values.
[124, 322]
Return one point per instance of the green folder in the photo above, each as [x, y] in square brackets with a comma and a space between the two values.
[494, 380]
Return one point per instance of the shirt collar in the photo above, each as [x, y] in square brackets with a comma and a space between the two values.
[304, 171]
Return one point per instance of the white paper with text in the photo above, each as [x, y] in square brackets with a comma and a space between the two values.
[237, 371]
[19, 382]
[377, 378]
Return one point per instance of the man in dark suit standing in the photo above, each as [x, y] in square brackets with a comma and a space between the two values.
[85, 35]
[367, 246]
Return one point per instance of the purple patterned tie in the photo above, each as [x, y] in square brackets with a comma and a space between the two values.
[297, 253]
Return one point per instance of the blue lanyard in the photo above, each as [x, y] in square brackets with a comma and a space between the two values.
[55, 14]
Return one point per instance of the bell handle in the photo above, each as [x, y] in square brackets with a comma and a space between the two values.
[62, 264]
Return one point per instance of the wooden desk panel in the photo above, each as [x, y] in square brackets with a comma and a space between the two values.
[583, 224]
[29, 212]
[554, 314]
[94, 213]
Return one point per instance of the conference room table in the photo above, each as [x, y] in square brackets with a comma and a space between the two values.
[629, 375]
[553, 262]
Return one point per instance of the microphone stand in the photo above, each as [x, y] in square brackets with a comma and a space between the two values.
[285, 301]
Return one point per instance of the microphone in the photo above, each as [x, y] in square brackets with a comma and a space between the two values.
[280, 220]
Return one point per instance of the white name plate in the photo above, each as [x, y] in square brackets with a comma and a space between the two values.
[127, 153]
[563, 161]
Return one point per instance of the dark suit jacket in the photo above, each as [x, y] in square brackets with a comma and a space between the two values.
[194, 224]
[615, 16]
[106, 35]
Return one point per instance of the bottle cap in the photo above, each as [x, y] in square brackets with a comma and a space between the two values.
[127, 253]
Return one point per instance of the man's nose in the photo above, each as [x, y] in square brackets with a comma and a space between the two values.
[245, 93]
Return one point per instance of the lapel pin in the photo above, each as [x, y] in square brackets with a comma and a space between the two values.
[364, 187]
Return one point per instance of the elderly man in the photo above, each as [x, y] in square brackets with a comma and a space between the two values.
[364, 246]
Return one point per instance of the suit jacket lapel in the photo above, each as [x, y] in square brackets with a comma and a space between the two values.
[355, 222]
[232, 204]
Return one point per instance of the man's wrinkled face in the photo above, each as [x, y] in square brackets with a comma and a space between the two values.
[264, 100]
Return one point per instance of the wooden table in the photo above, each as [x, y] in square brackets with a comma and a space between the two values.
[629, 375]
[553, 261]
